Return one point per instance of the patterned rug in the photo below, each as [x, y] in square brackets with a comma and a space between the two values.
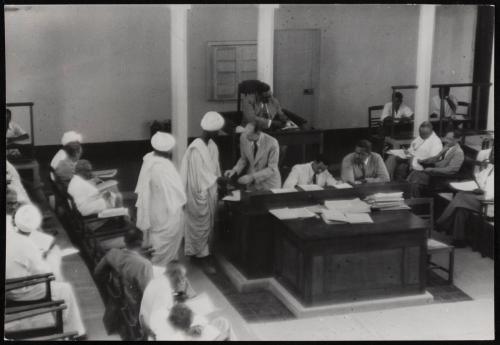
[262, 305]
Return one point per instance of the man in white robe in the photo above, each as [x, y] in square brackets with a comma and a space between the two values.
[200, 171]
[70, 152]
[24, 258]
[160, 201]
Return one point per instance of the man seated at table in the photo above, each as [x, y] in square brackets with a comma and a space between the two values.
[445, 164]
[363, 165]
[454, 218]
[88, 197]
[260, 156]
[263, 108]
[65, 159]
[426, 145]
[24, 258]
[396, 109]
[164, 291]
[314, 172]
[133, 269]
[181, 323]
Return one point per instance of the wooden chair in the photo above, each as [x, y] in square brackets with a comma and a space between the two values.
[375, 127]
[17, 283]
[433, 246]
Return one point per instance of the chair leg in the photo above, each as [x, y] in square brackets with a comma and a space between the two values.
[451, 266]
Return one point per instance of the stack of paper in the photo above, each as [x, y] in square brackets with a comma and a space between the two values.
[330, 216]
[309, 187]
[350, 206]
[283, 190]
[467, 186]
[235, 196]
[342, 185]
[291, 213]
[387, 201]
[113, 212]
[315, 208]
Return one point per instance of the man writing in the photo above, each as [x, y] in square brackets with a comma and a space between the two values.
[260, 156]
[263, 109]
[160, 200]
[200, 171]
[314, 172]
[363, 165]
[426, 145]
[445, 164]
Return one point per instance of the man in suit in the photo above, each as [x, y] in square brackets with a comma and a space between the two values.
[314, 172]
[363, 165]
[445, 164]
[260, 155]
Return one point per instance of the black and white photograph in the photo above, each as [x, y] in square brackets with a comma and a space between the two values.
[249, 172]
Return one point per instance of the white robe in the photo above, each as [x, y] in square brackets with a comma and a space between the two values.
[16, 184]
[200, 170]
[87, 197]
[159, 205]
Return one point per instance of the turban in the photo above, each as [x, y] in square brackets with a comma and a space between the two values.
[71, 136]
[162, 141]
[28, 218]
[212, 121]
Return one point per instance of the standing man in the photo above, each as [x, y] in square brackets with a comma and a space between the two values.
[160, 201]
[260, 155]
[200, 172]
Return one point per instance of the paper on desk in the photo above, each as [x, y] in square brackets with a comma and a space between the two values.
[283, 190]
[356, 218]
[342, 185]
[466, 186]
[68, 251]
[315, 208]
[334, 215]
[113, 212]
[301, 212]
[354, 205]
[42, 240]
[235, 196]
[309, 187]
[398, 153]
[201, 304]
[291, 213]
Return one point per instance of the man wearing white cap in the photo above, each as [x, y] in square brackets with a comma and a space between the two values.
[160, 200]
[200, 172]
[65, 159]
[24, 258]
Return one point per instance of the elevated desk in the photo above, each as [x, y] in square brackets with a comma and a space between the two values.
[320, 263]
[250, 242]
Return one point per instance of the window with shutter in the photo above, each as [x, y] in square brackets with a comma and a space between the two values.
[229, 64]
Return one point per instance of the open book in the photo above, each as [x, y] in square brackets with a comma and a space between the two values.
[309, 187]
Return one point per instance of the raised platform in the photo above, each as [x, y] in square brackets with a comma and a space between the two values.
[295, 306]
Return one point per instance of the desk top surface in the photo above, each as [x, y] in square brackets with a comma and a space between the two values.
[384, 222]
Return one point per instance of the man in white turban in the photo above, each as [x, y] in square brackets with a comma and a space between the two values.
[23, 258]
[160, 201]
[200, 171]
[65, 159]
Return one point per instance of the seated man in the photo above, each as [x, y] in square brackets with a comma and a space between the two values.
[396, 109]
[14, 132]
[14, 181]
[450, 104]
[426, 145]
[455, 216]
[260, 156]
[133, 270]
[314, 172]
[180, 323]
[445, 164]
[162, 292]
[24, 258]
[363, 165]
[89, 199]
[65, 159]
[263, 108]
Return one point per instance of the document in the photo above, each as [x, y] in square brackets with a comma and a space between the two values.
[467, 186]
[398, 153]
[42, 240]
[106, 185]
[302, 212]
[354, 205]
[309, 187]
[292, 213]
[334, 215]
[113, 212]
[283, 190]
[235, 196]
[105, 173]
[201, 304]
[342, 185]
[357, 218]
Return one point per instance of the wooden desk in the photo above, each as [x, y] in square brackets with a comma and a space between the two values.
[250, 239]
[320, 263]
[34, 167]
[290, 138]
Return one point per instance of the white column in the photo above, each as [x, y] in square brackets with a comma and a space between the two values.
[490, 125]
[424, 63]
[179, 78]
[265, 43]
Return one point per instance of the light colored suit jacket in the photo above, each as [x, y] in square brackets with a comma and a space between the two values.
[447, 163]
[264, 167]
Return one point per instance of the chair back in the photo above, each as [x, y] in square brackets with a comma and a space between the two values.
[463, 109]
[374, 114]
[424, 208]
